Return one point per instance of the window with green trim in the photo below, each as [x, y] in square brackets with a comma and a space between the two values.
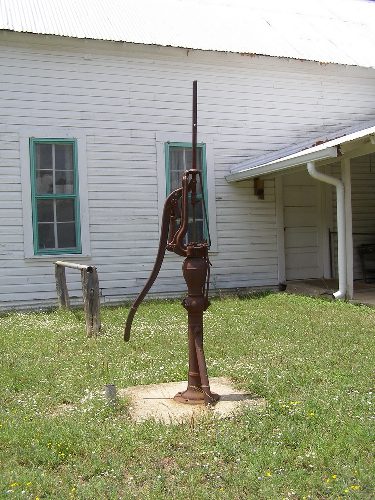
[55, 196]
[178, 158]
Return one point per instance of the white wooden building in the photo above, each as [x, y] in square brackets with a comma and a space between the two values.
[91, 118]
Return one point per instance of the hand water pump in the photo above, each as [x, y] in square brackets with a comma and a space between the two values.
[181, 234]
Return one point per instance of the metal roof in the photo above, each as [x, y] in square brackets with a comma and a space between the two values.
[328, 31]
[297, 155]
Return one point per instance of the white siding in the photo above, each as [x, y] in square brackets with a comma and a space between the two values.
[363, 203]
[121, 96]
[302, 214]
[363, 209]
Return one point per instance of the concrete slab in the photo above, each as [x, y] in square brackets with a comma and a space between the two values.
[364, 293]
[156, 401]
[313, 287]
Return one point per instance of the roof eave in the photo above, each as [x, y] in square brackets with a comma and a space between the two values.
[283, 163]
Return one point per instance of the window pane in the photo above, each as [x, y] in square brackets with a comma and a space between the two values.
[65, 210]
[188, 158]
[198, 236]
[66, 234]
[180, 159]
[46, 235]
[64, 181]
[55, 176]
[44, 181]
[176, 159]
[64, 156]
[198, 209]
[45, 210]
[43, 156]
[199, 158]
[175, 179]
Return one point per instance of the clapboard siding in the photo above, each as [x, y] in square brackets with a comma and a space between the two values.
[363, 209]
[121, 96]
[301, 226]
[363, 204]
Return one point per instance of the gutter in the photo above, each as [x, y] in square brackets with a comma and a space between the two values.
[341, 228]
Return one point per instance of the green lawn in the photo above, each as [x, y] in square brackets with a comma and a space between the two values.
[312, 360]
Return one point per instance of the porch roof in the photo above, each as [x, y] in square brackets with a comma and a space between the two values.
[296, 155]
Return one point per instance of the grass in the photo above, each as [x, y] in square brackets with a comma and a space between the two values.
[311, 359]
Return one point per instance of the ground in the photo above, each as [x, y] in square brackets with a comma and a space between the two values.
[309, 358]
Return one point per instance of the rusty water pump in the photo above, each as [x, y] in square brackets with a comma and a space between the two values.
[179, 234]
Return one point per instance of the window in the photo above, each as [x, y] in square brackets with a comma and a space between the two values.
[178, 158]
[55, 198]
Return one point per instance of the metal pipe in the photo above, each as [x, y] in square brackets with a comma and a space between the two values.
[195, 126]
[341, 229]
[195, 268]
[193, 200]
[110, 393]
[72, 265]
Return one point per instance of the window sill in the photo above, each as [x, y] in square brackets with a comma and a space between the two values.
[60, 256]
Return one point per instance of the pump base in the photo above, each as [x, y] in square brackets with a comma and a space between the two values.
[196, 396]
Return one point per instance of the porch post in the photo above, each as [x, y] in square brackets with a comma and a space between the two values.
[346, 179]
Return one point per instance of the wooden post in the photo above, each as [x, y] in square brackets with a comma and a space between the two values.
[61, 288]
[91, 301]
[95, 302]
[90, 291]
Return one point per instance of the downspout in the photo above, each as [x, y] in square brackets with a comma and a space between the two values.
[341, 241]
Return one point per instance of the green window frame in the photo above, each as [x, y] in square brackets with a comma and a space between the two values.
[178, 158]
[55, 196]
